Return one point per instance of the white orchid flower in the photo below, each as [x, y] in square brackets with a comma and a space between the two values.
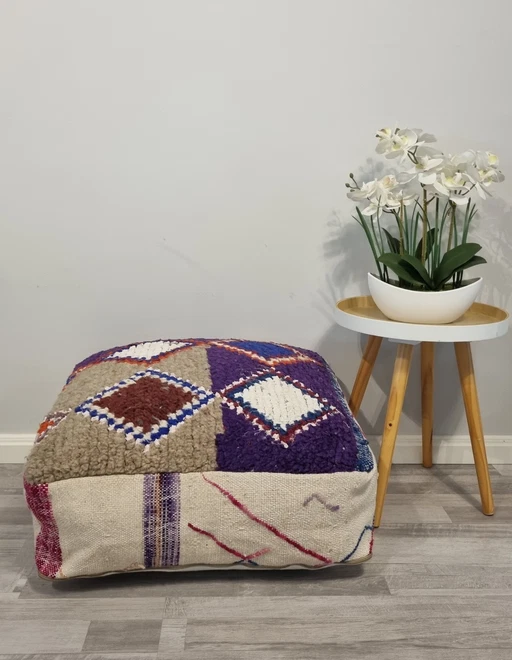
[375, 190]
[486, 160]
[453, 184]
[453, 176]
[492, 159]
[385, 143]
[460, 200]
[451, 181]
[485, 171]
[387, 195]
[396, 144]
[480, 184]
[463, 160]
[393, 202]
[384, 186]
[484, 178]
[396, 199]
[373, 208]
[458, 162]
[385, 133]
[425, 150]
[366, 191]
[424, 137]
[425, 170]
[492, 176]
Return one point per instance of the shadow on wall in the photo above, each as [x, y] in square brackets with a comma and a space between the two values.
[494, 232]
[348, 255]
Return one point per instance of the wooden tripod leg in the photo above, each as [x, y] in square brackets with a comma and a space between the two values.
[470, 396]
[395, 404]
[363, 375]
[427, 400]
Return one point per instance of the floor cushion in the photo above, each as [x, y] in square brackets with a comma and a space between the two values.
[179, 454]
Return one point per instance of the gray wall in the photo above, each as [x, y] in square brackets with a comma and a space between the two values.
[176, 169]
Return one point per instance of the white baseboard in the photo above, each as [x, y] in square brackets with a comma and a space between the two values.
[14, 448]
[447, 450]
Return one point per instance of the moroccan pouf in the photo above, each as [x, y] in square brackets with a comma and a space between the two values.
[200, 453]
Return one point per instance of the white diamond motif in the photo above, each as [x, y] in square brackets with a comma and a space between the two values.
[148, 350]
[279, 402]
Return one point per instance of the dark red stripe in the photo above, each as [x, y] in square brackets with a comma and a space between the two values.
[268, 526]
[219, 543]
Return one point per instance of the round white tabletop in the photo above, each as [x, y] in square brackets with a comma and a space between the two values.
[478, 323]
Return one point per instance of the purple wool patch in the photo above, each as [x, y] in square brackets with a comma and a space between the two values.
[226, 367]
[282, 411]
[318, 375]
[328, 447]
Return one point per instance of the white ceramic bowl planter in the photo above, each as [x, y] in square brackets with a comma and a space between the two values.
[431, 307]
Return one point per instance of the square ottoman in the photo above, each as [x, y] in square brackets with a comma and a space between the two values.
[197, 453]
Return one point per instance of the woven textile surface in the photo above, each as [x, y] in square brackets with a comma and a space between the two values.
[180, 453]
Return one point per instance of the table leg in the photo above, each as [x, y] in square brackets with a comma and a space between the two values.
[470, 396]
[427, 400]
[363, 375]
[395, 404]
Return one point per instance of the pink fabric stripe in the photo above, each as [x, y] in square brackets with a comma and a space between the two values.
[219, 543]
[253, 555]
[48, 550]
[258, 553]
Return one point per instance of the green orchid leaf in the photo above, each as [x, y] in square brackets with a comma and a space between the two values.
[401, 268]
[393, 242]
[431, 237]
[474, 261]
[416, 265]
[454, 261]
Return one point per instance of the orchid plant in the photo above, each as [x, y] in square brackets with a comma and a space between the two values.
[429, 202]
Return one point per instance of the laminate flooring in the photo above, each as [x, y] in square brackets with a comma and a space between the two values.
[439, 588]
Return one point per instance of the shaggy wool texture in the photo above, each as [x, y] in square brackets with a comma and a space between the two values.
[179, 453]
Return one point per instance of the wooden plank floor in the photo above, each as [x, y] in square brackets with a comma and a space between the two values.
[439, 587]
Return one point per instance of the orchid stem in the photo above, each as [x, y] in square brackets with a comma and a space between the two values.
[380, 234]
[425, 228]
[401, 227]
[435, 254]
[364, 224]
[452, 227]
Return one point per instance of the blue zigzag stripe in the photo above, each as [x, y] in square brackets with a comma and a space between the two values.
[366, 529]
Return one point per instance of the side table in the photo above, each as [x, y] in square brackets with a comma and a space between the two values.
[480, 322]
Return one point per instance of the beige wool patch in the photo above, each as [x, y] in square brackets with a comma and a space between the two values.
[79, 446]
[191, 365]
